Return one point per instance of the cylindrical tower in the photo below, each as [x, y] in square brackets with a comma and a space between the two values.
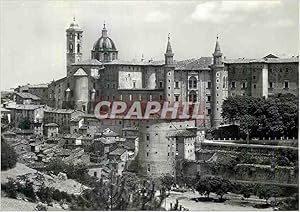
[218, 86]
[169, 73]
[157, 149]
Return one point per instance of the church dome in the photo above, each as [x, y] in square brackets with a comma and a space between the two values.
[104, 42]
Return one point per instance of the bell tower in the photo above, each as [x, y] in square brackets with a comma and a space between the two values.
[219, 89]
[74, 43]
[169, 73]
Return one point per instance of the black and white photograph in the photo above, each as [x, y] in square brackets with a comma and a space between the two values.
[149, 105]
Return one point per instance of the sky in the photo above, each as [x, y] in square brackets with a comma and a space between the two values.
[33, 43]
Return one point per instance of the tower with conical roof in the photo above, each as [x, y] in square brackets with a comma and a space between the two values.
[169, 73]
[74, 43]
[219, 85]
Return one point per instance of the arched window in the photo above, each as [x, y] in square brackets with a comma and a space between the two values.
[105, 57]
[193, 82]
[71, 48]
[192, 96]
[78, 48]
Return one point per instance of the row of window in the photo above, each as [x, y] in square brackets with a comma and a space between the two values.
[271, 84]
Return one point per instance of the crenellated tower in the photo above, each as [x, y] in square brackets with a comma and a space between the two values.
[74, 43]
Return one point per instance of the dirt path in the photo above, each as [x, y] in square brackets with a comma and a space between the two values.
[185, 199]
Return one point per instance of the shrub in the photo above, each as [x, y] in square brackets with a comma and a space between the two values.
[8, 156]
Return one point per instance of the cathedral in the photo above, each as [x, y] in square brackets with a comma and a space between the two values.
[207, 80]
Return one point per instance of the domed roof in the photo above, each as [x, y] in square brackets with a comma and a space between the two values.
[74, 25]
[104, 42]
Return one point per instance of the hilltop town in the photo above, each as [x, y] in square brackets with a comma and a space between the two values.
[242, 149]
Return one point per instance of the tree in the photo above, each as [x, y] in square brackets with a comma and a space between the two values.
[272, 117]
[25, 123]
[167, 181]
[8, 156]
[217, 185]
[267, 191]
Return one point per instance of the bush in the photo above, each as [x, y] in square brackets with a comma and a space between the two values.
[217, 185]
[8, 156]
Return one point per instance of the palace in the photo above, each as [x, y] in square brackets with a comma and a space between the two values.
[208, 80]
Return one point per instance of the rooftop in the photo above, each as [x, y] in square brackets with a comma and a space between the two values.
[201, 63]
[136, 63]
[55, 110]
[26, 95]
[104, 140]
[119, 151]
[267, 59]
[181, 133]
[92, 62]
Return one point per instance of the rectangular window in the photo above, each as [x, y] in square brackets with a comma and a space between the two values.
[270, 84]
[148, 167]
[254, 86]
[208, 85]
[244, 85]
[233, 84]
[286, 84]
[208, 98]
[133, 84]
[160, 97]
[208, 111]
[147, 137]
[254, 77]
[176, 84]
[107, 85]
[161, 84]
[176, 98]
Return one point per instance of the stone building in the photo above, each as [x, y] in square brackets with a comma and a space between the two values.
[206, 80]
[39, 90]
[62, 117]
[26, 98]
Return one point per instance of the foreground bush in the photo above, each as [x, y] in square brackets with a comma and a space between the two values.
[8, 156]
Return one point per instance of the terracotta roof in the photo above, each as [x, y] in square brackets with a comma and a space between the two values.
[118, 151]
[136, 63]
[92, 62]
[262, 60]
[51, 125]
[27, 107]
[52, 110]
[76, 119]
[202, 63]
[181, 133]
[105, 140]
[26, 95]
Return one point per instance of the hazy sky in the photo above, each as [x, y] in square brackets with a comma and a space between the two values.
[33, 32]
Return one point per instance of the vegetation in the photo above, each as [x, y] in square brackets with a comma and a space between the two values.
[8, 156]
[25, 123]
[272, 117]
[212, 184]
[118, 194]
[167, 182]
[77, 172]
